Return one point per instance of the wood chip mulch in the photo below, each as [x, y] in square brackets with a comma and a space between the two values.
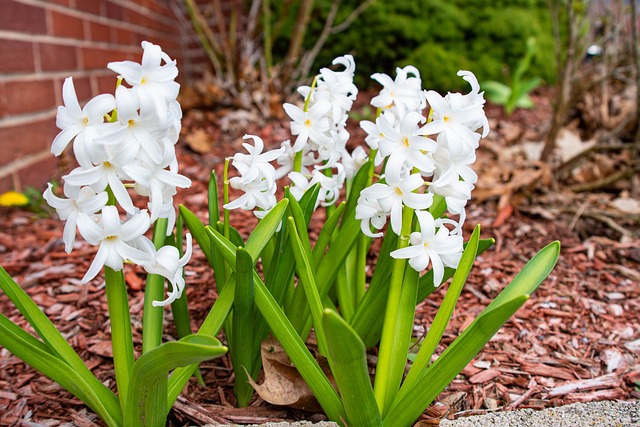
[576, 340]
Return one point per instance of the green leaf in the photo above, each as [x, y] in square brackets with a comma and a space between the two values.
[361, 180]
[326, 232]
[408, 406]
[212, 197]
[265, 229]
[196, 227]
[300, 224]
[445, 311]
[404, 412]
[305, 269]
[210, 327]
[348, 361]
[146, 404]
[496, 92]
[287, 336]
[326, 272]
[367, 321]
[307, 201]
[39, 356]
[242, 349]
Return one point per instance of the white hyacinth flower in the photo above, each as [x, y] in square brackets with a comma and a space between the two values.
[256, 165]
[167, 262]
[151, 80]
[312, 125]
[80, 201]
[404, 93]
[456, 117]
[432, 244]
[370, 213]
[80, 123]
[396, 193]
[402, 145]
[114, 238]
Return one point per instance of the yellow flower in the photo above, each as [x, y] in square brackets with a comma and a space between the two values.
[13, 198]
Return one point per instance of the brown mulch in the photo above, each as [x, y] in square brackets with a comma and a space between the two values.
[575, 340]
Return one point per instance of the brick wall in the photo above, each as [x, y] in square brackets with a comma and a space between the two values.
[43, 42]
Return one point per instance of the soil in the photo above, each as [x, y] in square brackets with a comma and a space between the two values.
[575, 340]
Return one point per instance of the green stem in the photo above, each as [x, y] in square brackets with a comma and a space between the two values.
[392, 353]
[361, 267]
[154, 291]
[226, 223]
[121, 337]
[297, 161]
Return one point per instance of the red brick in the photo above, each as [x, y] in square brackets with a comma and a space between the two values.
[90, 6]
[105, 84]
[35, 175]
[61, 2]
[55, 57]
[124, 36]
[21, 17]
[96, 58]
[162, 7]
[82, 86]
[64, 25]
[17, 57]
[19, 141]
[100, 32]
[115, 11]
[28, 96]
[83, 89]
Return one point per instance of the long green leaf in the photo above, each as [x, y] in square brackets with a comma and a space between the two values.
[305, 269]
[242, 349]
[326, 232]
[326, 272]
[211, 327]
[147, 397]
[348, 361]
[407, 407]
[404, 412]
[212, 197]
[59, 347]
[42, 358]
[367, 321]
[445, 311]
[288, 337]
[196, 227]
[265, 229]
[361, 180]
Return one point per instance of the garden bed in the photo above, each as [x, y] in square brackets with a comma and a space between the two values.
[576, 340]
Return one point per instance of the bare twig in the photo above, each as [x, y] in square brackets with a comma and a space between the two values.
[352, 17]
[305, 65]
[604, 182]
[566, 68]
[206, 36]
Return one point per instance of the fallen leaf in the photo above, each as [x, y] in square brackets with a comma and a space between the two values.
[199, 141]
[282, 383]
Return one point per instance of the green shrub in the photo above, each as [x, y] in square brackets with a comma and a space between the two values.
[440, 37]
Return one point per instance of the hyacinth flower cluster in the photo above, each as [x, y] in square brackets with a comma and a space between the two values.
[124, 142]
[414, 181]
[124, 145]
[425, 158]
[318, 154]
